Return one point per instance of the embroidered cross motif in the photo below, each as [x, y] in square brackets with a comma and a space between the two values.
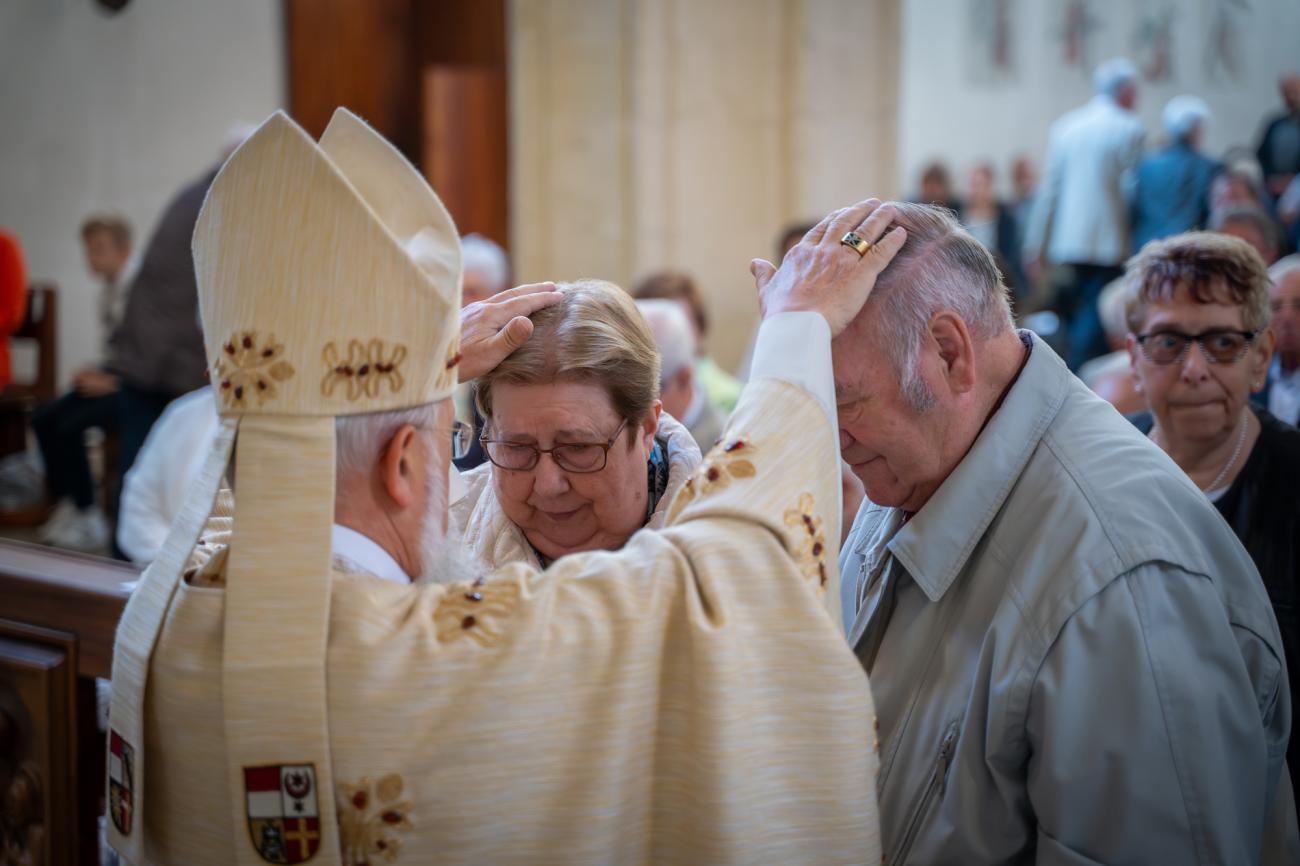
[368, 814]
[365, 368]
[809, 539]
[727, 461]
[248, 367]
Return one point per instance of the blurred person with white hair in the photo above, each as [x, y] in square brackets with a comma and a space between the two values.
[1281, 394]
[1110, 376]
[485, 273]
[1172, 192]
[486, 268]
[681, 398]
[1081, 212]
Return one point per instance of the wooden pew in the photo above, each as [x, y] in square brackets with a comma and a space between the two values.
[58, 614]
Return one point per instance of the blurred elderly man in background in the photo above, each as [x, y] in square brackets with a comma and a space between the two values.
[1172, 194]
[1073, 658]
[1081, 212]
[722, 388]
[1281, 395]
[681, 398]
[486, 269]
[485, 273]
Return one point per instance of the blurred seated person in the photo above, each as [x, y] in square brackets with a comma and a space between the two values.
[1252, 225]
[936, 187]
[1198, 315]
[154, 490]
[1281, 395]
[1111, 376]
[723, 388]
[992, 224]
[581, 456]
[1171, 194]
[485, 272]
[681, 399]
[13, 297]
[78, 523]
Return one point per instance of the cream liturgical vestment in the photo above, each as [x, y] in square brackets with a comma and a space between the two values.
[687, 699]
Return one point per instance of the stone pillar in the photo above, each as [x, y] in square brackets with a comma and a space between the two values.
[666, 133]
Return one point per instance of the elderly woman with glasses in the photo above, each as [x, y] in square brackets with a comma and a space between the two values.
[1200, 343]
[580, 454]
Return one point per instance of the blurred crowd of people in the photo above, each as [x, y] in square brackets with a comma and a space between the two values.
[1109, 186]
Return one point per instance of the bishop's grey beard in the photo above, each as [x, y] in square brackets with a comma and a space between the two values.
[443, 559]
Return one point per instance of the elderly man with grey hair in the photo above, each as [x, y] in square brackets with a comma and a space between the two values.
[677, 389]
[1172, 192]
[1081, 213]
[1073, 658]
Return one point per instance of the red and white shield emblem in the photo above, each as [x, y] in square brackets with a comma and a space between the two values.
[121, 782]
[283, 820]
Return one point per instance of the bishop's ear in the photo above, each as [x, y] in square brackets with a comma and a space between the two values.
[398, 466]
[952, 340]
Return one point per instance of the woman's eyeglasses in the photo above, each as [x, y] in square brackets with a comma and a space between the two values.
[1219, 346]
[579, 457]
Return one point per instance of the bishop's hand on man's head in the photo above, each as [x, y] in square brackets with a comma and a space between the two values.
[823, 273]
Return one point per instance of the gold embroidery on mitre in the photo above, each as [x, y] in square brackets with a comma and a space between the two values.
[368, 814]
[727, 461]
[809, 539]
[364, 369]
[447, 375]
[246, 368]
[475, 610]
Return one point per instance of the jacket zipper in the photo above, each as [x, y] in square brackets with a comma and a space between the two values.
[935, 788]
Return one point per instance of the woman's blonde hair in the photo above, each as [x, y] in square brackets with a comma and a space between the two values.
[595, 334]
[1214, 268]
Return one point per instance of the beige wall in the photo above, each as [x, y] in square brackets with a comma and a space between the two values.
[117, 113]
[669, 133]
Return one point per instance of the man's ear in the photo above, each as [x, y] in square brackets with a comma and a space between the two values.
[397, 467]
[956, 350]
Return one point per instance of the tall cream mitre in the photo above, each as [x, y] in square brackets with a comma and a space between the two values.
[329, 275]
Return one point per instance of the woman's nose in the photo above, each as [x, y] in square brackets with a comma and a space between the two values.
[548, 478]
[1195, 366]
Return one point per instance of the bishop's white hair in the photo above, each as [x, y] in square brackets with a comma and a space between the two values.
[360, 439]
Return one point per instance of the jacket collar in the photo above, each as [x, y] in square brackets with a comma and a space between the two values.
[936, 543]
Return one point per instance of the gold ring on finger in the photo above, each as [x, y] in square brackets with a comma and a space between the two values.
[857, 242]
